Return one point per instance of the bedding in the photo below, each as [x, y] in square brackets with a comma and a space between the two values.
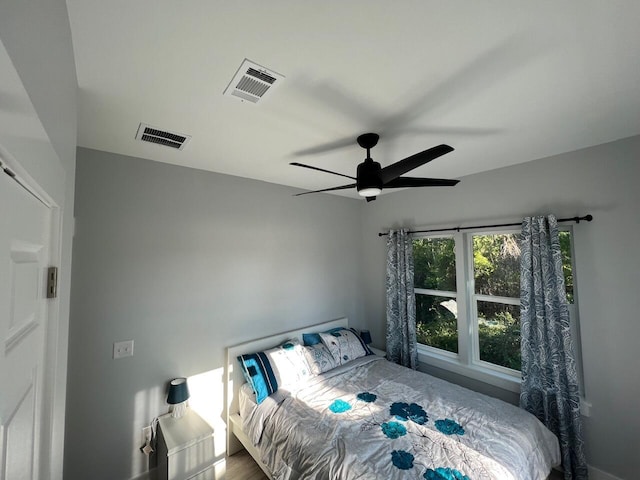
[310, 339]
[372, 419]
[319, 358]
[283, 366]
[246, 400]
[345, 345]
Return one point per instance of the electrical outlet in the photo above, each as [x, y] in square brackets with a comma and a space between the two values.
[123, 349]
[147, 434]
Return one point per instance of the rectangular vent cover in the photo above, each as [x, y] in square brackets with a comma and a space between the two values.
[147, 133]
[252, 82]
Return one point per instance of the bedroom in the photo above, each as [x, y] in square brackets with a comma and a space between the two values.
[223, 259]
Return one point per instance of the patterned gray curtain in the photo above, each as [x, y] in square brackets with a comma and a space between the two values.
[549, 379]
[402, 344]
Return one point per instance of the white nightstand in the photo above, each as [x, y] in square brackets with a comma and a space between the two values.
[186, 449]
[377, 351]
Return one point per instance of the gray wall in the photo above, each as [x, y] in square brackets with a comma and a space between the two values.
[186, 263]
[603, 181]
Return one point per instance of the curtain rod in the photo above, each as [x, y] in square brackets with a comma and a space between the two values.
[588, 218]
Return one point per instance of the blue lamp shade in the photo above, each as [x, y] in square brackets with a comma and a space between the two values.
[366, 336]
[178, 391]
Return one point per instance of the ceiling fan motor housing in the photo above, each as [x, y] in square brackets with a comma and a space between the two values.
[368, 175]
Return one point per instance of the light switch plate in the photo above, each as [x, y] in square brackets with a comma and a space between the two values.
[123, 349]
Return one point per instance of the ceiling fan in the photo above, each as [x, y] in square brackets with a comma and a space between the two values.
[371, 178]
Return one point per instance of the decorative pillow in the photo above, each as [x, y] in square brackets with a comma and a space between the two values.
[319, 358]
[314, 338]
[289, 363]
[280, 367]
[309, 339]
[257, 370]
[344, 345]
[364, 345]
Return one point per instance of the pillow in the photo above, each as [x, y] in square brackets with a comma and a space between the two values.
[345, 345]
[319, 358]
[289, 363]
[314, 338]
[309, 339]
[258, 372]
[281, 367]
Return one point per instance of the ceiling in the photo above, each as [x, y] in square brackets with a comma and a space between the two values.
[502, 82]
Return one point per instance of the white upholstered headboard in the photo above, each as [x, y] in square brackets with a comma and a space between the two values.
[235, 379]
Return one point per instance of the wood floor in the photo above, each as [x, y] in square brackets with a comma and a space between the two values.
[242, 467]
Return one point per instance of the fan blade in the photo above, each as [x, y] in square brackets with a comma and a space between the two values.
[326, 147]
[342, 187]
[441, 130]
[394, 170]
[404, 182]
[296, 164]
[370, 199]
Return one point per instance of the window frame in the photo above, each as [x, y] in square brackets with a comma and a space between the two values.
[467, 361]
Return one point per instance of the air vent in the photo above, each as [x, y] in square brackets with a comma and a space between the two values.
[252, 82]
[147, 133]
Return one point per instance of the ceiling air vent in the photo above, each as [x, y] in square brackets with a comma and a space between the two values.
[252, 82]
[147, 133]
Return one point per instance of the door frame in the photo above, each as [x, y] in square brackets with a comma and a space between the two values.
[52, 373]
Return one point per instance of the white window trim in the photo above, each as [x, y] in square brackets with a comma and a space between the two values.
[467, 361]
[483, 374]
[460, 363]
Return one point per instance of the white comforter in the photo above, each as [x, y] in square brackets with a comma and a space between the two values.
[403, 425]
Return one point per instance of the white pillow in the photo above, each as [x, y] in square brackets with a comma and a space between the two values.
[319, 358]
[289, 364]
[344, 345]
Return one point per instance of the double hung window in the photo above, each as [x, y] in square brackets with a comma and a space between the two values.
[467, 288]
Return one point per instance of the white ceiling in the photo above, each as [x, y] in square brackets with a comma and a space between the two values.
[503, 82]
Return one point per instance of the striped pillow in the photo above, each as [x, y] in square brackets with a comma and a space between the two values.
[259, 374]
[281, 367]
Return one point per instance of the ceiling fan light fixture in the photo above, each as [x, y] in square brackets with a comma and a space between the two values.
[368, 182]
[371, 178]
[369, 192]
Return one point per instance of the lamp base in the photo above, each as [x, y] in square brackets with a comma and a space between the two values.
[178, 410]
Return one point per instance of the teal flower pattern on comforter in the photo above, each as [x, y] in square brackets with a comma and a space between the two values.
[441, 473]
[374, 419]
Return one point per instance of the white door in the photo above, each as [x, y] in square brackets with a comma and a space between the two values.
[24, 252]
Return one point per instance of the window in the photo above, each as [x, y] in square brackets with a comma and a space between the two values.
[435, 287]
[467, 288]
[495, 301]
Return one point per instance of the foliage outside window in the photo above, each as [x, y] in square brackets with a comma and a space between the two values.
[488, 294]
[435, 287]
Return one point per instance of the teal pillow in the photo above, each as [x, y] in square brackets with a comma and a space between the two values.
[309, 339]
[259, 374]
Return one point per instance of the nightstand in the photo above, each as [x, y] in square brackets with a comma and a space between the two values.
[377, 351]
[186, 449]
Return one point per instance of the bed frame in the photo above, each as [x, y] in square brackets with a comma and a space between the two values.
[236, 438]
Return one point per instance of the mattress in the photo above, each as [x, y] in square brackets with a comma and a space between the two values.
[373, 419]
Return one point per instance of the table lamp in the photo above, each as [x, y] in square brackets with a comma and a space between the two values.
[178, 396]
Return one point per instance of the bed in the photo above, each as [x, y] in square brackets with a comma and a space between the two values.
[368, 418]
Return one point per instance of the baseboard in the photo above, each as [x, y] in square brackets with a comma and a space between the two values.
[596, 474]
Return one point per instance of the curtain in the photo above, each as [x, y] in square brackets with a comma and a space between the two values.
[549, 377]
[401, 302]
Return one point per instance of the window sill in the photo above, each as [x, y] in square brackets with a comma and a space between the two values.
[485, 375]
